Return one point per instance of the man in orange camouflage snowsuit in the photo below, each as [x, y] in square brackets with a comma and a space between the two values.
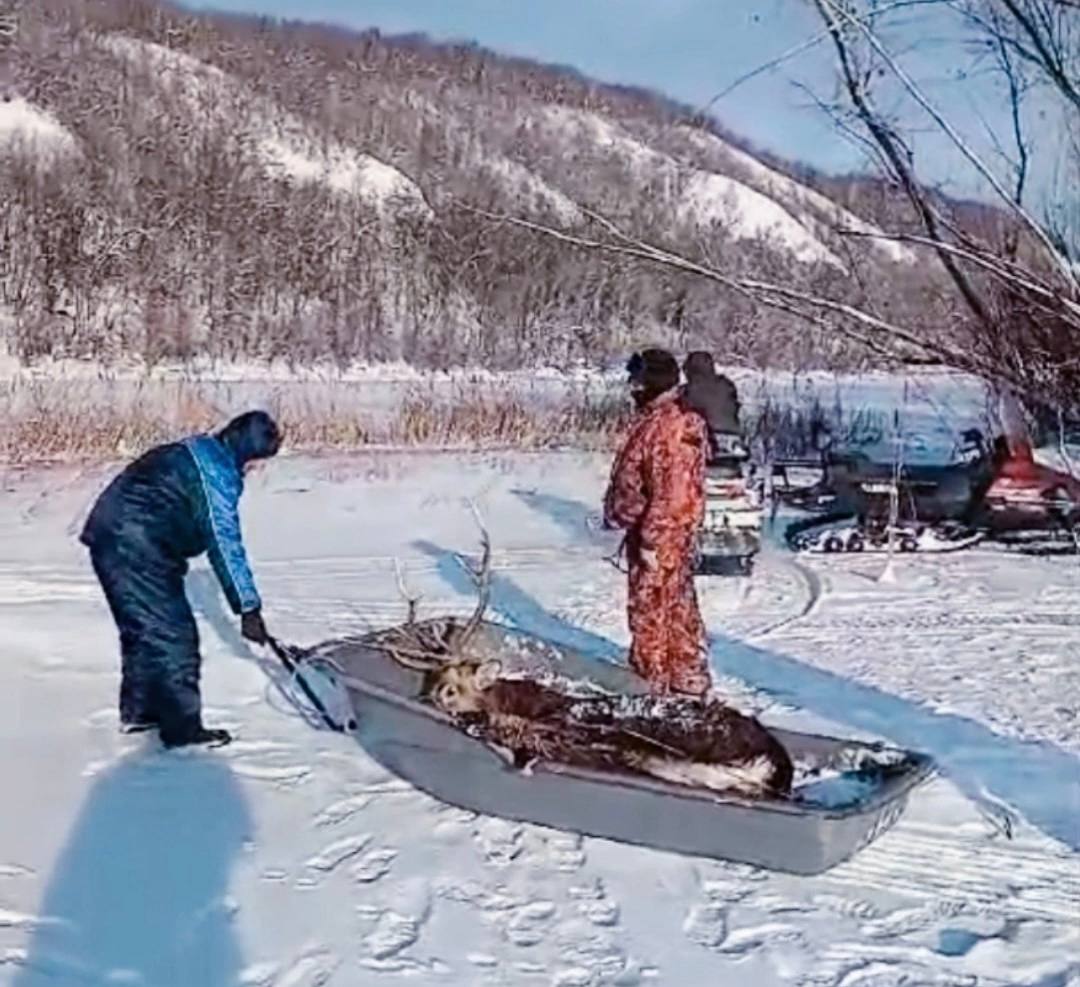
[656, 495]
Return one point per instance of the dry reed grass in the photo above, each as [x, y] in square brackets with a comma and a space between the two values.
[46, 422]
[53, 421]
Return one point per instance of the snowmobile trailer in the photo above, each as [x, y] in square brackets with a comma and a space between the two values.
[797, 834]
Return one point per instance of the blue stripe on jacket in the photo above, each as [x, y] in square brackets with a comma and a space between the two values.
[222, 485]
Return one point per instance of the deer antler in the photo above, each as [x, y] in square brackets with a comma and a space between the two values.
[412, 602]
[418, 661]
[482, 579]
[427, 646]
[406, 646]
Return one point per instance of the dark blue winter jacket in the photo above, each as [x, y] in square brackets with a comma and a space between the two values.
[180, 500]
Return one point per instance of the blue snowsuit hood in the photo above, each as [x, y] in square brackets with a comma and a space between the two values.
[253, 435]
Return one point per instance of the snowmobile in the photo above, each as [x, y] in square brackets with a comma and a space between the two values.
[814, 495]
[730, 535]
[987, 491]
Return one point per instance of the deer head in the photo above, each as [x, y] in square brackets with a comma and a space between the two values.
[453, 681]
[458, 687]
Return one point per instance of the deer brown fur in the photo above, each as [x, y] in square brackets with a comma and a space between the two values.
[680, 739]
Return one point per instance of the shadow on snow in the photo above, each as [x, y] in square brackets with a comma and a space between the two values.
[139, 893]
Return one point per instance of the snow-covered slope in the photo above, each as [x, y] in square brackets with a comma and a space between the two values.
[291, 859]
[382, 164]
[701, 198]
[709, 199]
[735, 194]
[287, 148]
[29, 127]
[814, 209]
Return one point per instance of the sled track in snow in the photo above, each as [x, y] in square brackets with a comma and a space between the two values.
[928, 863]
[812, 590]
[938, 622]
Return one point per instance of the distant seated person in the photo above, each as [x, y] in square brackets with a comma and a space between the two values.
[716, 399]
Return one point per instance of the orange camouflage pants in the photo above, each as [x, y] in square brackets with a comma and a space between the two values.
[668, 648]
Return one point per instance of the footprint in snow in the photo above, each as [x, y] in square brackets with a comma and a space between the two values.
[453, 825]
[594, 904]
[740, 942]
[906, 921]
[725, 890]
[706, 924]
[583, 946]
[483, 960]
[566, 852]
[500, 842]
[575, 976]
[775, 904]
[372, 866]
[392, 934]
[313, 968]
[408, 907]
[839, 968]
[857, 908]
[490, 901]
[332, 856]
[19, 920]
[530, 924]
[339, 812]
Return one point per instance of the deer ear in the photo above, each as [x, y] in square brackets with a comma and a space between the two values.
[488, 673]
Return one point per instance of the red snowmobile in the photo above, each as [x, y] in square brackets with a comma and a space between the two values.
[998, 492]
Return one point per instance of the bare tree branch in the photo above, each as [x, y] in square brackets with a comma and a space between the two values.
[834, 11]
[803, 46]
[897, 153]
[1047, 54]
[878, 333]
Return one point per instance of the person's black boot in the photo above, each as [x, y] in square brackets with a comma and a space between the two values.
[197, 735]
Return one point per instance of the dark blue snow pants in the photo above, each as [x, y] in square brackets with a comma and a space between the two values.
[159, 641]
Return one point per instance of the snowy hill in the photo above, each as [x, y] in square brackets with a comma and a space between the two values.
[231, 186]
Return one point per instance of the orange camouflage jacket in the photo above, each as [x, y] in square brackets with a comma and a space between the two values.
[657, 486]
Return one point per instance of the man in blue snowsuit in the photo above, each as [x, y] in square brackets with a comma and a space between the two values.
[173, 503]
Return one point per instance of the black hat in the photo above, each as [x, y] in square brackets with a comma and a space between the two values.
[699, 364]
[653, 371]
[252, 435]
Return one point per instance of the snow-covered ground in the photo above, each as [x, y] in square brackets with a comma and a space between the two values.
[290, 859]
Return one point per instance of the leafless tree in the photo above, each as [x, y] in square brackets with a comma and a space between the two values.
[1015, 320]
[1018, 283]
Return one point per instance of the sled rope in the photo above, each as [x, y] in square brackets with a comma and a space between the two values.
[616, 557]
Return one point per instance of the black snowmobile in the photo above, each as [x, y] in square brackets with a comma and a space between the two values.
[987, 490]
[876, 504]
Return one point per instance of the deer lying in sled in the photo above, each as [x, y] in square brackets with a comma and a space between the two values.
[688, 741]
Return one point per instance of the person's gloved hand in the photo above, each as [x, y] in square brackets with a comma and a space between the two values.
[649, 559]
[253, 628]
